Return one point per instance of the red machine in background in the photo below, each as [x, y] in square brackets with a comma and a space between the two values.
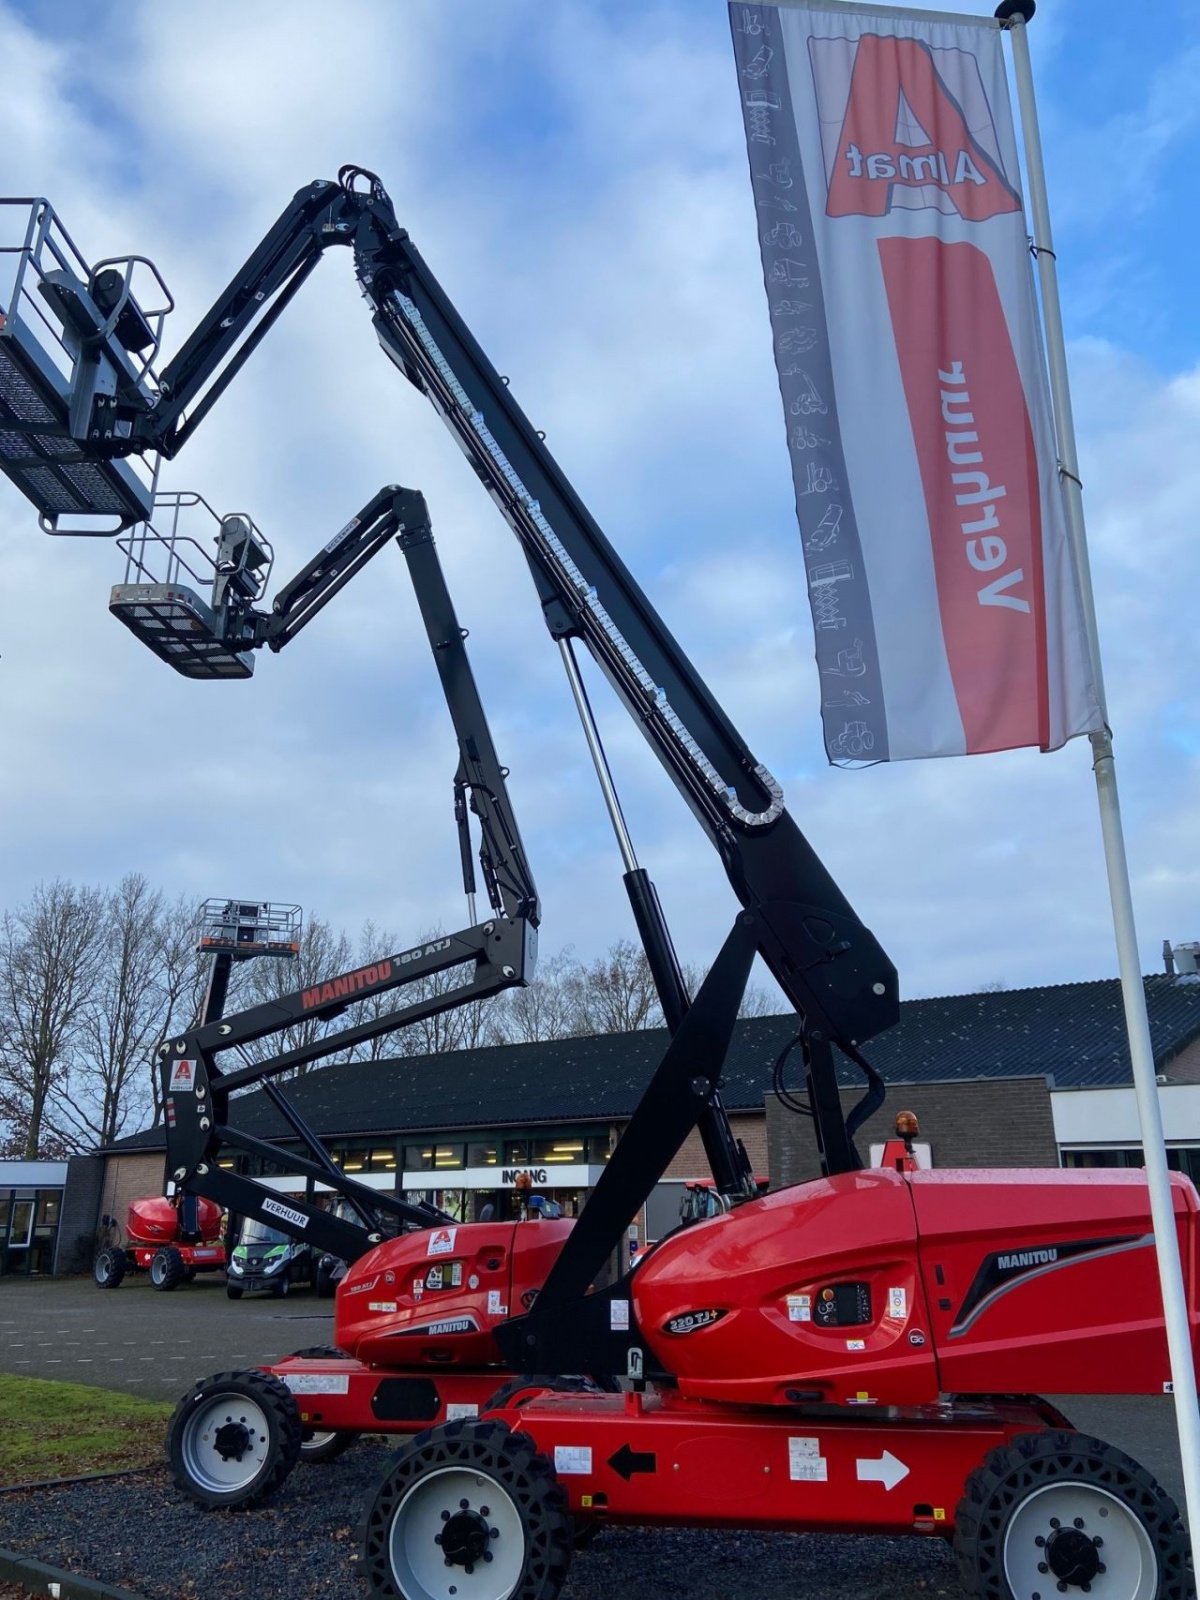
[172, 1239]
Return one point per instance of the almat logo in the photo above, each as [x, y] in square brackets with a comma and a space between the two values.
[903, 129]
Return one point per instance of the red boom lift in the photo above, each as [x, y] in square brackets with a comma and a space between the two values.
[861, 1353]
[176, 1235]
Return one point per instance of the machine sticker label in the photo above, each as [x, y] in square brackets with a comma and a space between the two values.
[799, 1307]
[856, 1344]
[318, 1382]
[573, 1459]
[691, 1321]
[450, 1325]
[341, 534]
[276, 1208]
[916, 1337]
[806, 1464]
[461, 1413]
[441, 1242]
[183, 1076]
[898, 1304]
[364, 1288]
[496, 1308]
[618, 1316]
[381, 1305]
[447, 1276]
[1005, 1270]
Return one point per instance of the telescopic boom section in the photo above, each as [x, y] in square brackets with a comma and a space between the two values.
[826, 961]
[828, 964]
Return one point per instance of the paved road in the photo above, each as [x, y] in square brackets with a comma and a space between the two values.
[144, 1342]
[147, 1343]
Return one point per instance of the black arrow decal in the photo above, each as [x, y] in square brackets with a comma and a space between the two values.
[627, 1461]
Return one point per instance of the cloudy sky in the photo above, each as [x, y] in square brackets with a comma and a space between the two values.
[575, 173]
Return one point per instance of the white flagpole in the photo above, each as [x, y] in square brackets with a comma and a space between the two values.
[1014, 14]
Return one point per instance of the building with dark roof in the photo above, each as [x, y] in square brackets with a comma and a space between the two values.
[1037, 1076]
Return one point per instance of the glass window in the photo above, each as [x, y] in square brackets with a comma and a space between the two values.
[47, 1207]
[256, 1232]
[483, 1153]
[22, 1222]
[434, 1157]
[557, 1149]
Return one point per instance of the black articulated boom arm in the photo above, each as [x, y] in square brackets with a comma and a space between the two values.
[826, 961]
[494, 955]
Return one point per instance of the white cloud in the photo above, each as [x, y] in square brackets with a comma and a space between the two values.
[576, 178]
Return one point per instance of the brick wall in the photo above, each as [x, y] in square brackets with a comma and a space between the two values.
[1185, 1067]
[1003, 1123]
[129, 1178]
[750, 1128]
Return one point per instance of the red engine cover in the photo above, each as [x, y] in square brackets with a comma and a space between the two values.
[1045, 1281]
[890, 1287]
[810, 1293]
[432, 1298]
[154, 1220]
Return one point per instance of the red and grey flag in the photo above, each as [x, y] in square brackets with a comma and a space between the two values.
[895, 253]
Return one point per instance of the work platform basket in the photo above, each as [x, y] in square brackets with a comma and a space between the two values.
[167, 560]
[245, 928]
[70, 333]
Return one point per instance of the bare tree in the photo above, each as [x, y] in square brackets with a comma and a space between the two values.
[50, 955]
[545, 1009]
[324, 953]
[121, 1021]
[615, 993]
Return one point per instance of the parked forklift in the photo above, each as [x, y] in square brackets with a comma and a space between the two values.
[863, 1353]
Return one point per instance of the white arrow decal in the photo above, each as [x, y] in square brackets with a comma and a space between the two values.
[887, 1470]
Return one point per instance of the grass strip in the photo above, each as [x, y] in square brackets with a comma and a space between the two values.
[60, 1430]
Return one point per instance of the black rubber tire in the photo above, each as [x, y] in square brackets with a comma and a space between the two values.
[585, 1529]
[109, 1267]
[167, 1268]
[277, 1405]
[189, 1274]
[557, 1385]
[235, 1291]
[281, 1285]
[522, 1475]
[331, 1445]
[317, 1446]
[1032, 1462]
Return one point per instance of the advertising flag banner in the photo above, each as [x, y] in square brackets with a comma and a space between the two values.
[895, 253]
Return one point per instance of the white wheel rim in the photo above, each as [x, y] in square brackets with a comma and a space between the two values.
[1126, 1550]
[417, 1560]
[158, 1270]
[215, 1423]
[316, 1441]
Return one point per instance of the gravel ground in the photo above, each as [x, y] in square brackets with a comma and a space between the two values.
[140, 1533]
